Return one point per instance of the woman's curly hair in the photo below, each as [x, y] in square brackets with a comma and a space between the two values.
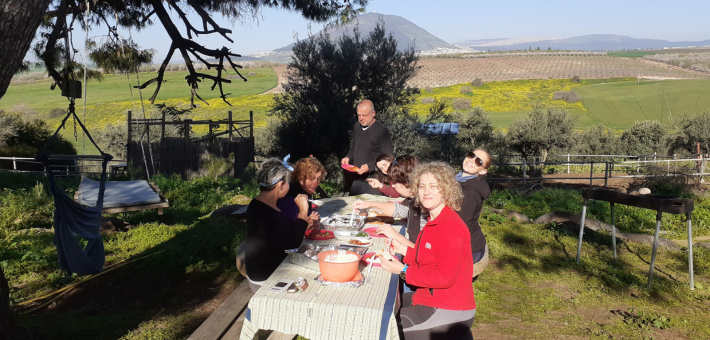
[307, 168]
[445, 176]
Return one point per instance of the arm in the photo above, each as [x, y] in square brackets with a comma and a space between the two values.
[389, 191]
[441, 274]
[385, 207]
[471, 203]
[299, 226]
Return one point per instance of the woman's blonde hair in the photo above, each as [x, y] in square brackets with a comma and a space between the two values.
[445, 177]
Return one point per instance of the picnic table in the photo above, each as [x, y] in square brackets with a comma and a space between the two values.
[324, 312]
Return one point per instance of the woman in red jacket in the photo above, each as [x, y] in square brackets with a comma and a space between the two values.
[440, 264]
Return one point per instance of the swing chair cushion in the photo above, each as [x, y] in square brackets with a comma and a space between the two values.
[117, 194]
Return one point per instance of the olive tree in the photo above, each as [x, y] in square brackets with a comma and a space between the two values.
[541, 131]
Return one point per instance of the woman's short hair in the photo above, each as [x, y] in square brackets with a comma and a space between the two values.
[272, 172]
[382, 177]
[401, 167]
[307, 168]
[445, 177]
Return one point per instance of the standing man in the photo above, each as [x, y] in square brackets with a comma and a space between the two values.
[370, 139]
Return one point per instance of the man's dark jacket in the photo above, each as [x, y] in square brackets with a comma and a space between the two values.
[366, 145]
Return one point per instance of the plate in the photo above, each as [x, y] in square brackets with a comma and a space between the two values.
[368, 256]
[308, 234]
[373, 232]
[362, 243]
[350, 167]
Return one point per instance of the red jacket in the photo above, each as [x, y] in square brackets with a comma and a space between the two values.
[441, 259]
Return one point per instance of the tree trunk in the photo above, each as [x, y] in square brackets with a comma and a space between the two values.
[19, 20]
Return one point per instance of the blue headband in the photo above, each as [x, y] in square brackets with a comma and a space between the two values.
[285, 163]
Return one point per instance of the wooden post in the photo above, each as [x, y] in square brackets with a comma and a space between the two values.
[591, 173]
[162, 127]
[130, 136]
[229, 125]
[606, 173]
[187, 129]
[525, 166]
[251, 123]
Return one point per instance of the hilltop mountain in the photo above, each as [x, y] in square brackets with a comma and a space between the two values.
[404, 31]
[592, 42]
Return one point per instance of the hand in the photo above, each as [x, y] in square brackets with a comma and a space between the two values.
[374, 183]
[345, 160]
[393, 266]
[397, 248]
[387, 230]
[363, 169]
[360, 204]
[313, 220]
[302, 202]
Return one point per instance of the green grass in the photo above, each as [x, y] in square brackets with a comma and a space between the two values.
[115, 89]
[620, 104]
[533, 287]
[631, 54]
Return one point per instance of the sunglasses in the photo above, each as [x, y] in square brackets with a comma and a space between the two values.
[475, 157]
[394, 162]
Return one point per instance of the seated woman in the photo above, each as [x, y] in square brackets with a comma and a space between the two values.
[269, 231]
[305, 180]
[381, 180]
[475, 191]
[399, 171]
[440, 262]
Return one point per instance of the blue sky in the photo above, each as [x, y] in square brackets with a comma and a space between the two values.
[454, 21]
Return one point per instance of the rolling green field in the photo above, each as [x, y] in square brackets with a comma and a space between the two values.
[618, 105]
[615, 103]
[115, 89]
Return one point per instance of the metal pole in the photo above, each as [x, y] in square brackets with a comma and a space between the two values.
[690, 250]
[14, 164]
[655, 246]
[606, 173]
[567, 163]
[613, 228]
[524, 170]
[581, 229]
[129, 138]
[668, 169]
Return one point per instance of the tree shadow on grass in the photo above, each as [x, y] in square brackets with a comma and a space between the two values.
[163, 293]
[552, 250]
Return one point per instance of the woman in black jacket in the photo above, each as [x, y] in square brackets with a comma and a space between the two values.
[269, 232]
[475, 191]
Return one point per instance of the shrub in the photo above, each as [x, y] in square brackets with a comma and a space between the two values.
[427, 100]
[26, 137]
[57, 113]
[477, 82]
[428, 89]
[112, 139]
[643, 138]
[475, 129]
[466, 89]
[542, 131]
[568, 96]
[461, 104]
[575, 79]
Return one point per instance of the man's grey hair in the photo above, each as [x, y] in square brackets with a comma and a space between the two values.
[271, 173]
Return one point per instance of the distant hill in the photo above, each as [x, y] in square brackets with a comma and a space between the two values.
[592, 42]
[404, 31]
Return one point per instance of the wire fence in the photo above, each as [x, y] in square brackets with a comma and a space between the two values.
[61, 167]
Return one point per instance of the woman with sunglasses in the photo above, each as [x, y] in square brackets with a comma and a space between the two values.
[399, 171]
[270, 232]
[381, 178]
[305, 180]
[439, 263]
[475, 191]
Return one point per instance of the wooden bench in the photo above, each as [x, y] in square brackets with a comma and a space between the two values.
[226, 321]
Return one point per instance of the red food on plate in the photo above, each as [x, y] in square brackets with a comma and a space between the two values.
[373, 232]
[319, 234]
[358, 242]
[350, 167]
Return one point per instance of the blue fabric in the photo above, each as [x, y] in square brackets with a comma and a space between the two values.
[461, 178]
[71, 218]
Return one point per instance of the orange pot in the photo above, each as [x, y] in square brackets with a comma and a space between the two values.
[337, 272]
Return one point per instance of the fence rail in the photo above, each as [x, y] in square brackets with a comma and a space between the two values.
[76, 166]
